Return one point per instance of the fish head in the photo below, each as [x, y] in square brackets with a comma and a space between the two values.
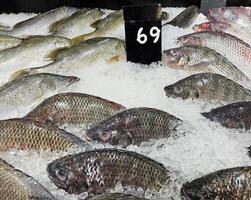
[66, 174]
[212, 26]
[176, 58]
[191, 39]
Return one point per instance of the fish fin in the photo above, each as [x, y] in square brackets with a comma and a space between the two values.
[95, 24]
[53, 55]
[77, 40]
[113, 59]
[22, 72]
[53, 27]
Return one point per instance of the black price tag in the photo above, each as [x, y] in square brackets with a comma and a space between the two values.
[205, 5]
[143, 33]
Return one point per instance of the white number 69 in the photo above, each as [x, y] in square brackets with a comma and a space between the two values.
[154, 32]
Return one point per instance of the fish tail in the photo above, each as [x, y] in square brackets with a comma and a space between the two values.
[22, 72]
[77, 40]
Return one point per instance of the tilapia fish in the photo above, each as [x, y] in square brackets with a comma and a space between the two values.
[208, 87]
[239, 15]
[74, 109]
[134, 126]
[104, 27]
[230, 184]
[115, 196]
[16, 185]
[8, 41]
[84, 54]
[40, 24]
[237, 115]
[227, 27]
[25, 90]
[26, 134]
[99, 170]
[202, 59]
[74, 25]
[234, 49]
[185, 18]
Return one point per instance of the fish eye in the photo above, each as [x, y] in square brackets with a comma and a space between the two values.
[61, 174]
[105, 135]
[178, 89]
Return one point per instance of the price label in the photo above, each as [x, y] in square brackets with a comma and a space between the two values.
[154, 32]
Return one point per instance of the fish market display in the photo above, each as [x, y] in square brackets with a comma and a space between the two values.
[233, 183]
[237, 115]
[74, 109]
[134, 126]
[26, 134]
[227, 45]
[208, 87]
[40, 24]
[73, 26]
[185, 18]
[227, 27]
[23, 91]
[202, 59]
[99, 170]
[14, 184]
[115, 196]
[8, 41]
[104, 27]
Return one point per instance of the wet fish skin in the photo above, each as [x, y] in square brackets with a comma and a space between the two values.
[115, 196]
[98, 170]
[8, 41]
[73, 25]
[185, 18]
[35, 136]
[231, 184]
[236, 115]
[74, 109]
[231, 47]
[134, 126]
[23, 91]
[198, 59]
[14, 184]
[208, 87]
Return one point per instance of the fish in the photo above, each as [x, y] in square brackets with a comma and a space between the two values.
[31, 52]
[25, 134]
[239, 15]
[185, 18]
[15, 184]
[231, 184]
[8, 41]
[84, 54]
[231, 47]
[103, 27]
[40, 24]
[197, 59]
[236, 115]
[134, 126]
[208, 87]
[23, 91]
[74, 109]
[115, 196]
[73, 26]
[98, 170]
[227, 27]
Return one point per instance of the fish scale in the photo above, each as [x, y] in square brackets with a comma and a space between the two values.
[100, 170]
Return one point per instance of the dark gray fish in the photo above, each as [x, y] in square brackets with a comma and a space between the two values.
[185, 18]
[134, 126]
[227, 184]
[115, 196]
[100, 170]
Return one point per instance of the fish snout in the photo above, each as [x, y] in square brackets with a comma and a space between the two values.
[73, 79]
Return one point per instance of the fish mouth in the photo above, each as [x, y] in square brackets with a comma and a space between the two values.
[72, 80]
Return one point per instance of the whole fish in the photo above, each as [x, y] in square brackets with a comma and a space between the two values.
[202, 59]
[74, 25]
[208, 87]
[104, 27]
[25, 90]
[102, 169]
[231, 184]
[134, 126]
[238, 15]
[40, 24]
[8, 41]
[14, 184]
[227, 27]
[84, 54]
[74, 109]
[115, 196]
[227, 45]
[185, 18]
[26, 134]
[236, 115]
[30, 53]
